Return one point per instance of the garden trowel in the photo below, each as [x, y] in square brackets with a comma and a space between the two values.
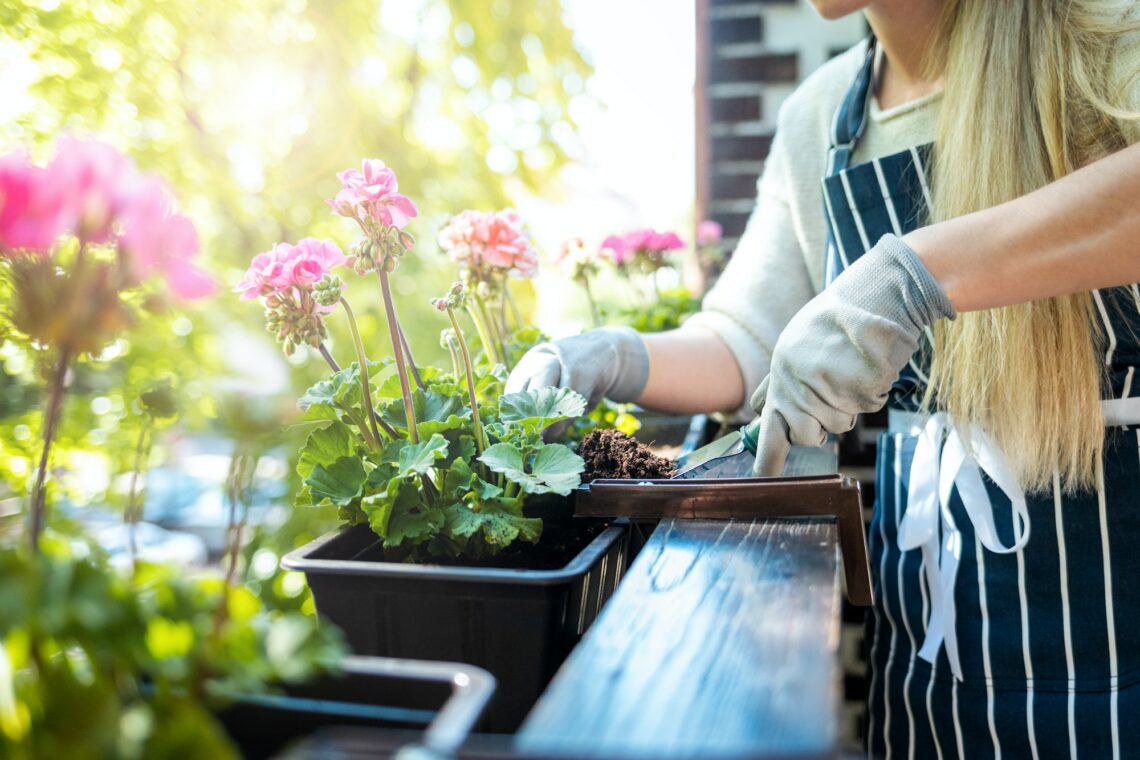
[733, 455]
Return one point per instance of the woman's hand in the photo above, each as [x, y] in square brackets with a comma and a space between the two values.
[609, 362]
[840, 354]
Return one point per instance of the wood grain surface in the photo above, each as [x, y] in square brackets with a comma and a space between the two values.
[721, 642]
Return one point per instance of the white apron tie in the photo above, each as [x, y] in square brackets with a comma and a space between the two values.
[935, 471]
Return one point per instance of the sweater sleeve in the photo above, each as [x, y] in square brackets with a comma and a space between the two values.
[765, 282]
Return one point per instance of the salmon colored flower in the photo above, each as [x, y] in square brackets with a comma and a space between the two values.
[32, 211]
[490, 240]
[371, 193]
[287, 267]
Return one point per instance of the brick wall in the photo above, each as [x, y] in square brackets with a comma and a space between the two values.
[750, 55]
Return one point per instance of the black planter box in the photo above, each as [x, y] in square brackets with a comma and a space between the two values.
[429, 704]
[518, 624]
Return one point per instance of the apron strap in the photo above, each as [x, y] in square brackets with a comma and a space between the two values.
[846, 127]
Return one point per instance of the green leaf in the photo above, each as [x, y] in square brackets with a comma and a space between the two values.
[378, 506]
[418, 458]
[555, 468]
[460, 445]
[324, 446]
[497, 521]
[538, 408]
[340, 482]
[435, 413]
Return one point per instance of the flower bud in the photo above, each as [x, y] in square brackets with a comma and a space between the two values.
[389, 264]
[327, 290]
[406, 240]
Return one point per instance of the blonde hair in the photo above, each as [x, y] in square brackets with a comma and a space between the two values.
[1028, 98]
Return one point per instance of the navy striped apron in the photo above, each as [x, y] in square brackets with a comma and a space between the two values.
[1044, 625]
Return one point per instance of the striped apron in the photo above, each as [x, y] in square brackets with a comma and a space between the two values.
[984, 643]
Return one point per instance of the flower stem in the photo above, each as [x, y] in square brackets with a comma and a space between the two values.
[480, 440]
[324, 351]
[371, 434]
[408, 353]
[489, 326]
[51, 418]
[484, 337]
[133, 512]
[515, 314]
[401, 369]
[594, 313]
[454, 360]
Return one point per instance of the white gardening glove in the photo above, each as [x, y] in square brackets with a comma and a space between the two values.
[840, 354]
[610, 362]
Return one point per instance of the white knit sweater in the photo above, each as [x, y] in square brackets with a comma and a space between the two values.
[778, 264]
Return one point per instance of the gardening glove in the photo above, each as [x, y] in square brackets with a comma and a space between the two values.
[610, 362]
[840, 354]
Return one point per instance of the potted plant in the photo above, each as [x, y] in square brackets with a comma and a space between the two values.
[458, 540]
[137, 660]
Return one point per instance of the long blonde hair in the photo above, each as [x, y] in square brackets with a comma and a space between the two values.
[1028, 98]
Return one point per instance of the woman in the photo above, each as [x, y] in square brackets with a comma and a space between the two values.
[1009, 378]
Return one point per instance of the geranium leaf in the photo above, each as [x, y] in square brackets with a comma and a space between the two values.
[554, 469]
[557, 468]
[340, 482]
[420, 457]
[498, 523]
[378, 507]
[435, 413]
[325, 446]
[541, 407]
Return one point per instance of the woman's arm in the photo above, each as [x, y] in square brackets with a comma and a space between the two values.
[691, 371]
[1078, 233]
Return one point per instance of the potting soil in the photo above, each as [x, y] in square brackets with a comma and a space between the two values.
[613, 454]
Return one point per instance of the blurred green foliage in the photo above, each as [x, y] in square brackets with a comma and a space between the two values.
[249, 108]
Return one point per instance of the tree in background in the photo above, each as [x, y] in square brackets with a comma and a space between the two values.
[249, 107]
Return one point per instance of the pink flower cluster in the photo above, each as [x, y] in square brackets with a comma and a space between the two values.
[708, 233]
[645, 242]
[287, 267]
[371, 194]
[92, 191]
[494, 240]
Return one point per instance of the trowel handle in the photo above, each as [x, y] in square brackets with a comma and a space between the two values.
[749, 434]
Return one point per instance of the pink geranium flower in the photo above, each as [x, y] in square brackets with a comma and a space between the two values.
[648, 243]
[493, 240]
[32, 210]
[157, 241]
[372, 193]
[286, 267]
[94, 179]
[708, 233]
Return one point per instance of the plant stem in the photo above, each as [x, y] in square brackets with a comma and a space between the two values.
[484, 338]
[51, 418]
[515, 314]
[408, 353]
[496, 332]
[365, 385]
[454, 359]
[480, 440]
[133, 512]
[324, 351]
[481, 309]
[401, 369]
[594, 313]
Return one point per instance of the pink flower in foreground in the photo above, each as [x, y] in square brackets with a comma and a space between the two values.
[94, 179]
[708, 233]
[32, 213]
[157, 241]
[490, 239]
[372, 193]
[286, 267]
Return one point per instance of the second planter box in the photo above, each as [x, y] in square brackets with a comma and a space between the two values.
[518, 624]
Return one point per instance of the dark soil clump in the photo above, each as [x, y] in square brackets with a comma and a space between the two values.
[613, 454]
